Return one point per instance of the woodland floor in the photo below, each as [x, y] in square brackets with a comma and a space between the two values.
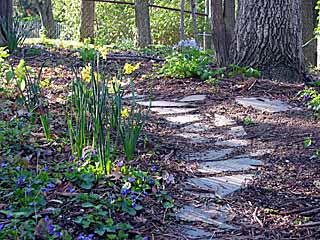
[278, 203]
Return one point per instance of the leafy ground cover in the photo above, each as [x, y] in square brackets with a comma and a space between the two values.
[50, 192]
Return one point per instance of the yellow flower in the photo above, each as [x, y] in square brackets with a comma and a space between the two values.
[86, 73]
[20, 69]
[125, 113]
[104, 52]
[129, 68]
[114, 85]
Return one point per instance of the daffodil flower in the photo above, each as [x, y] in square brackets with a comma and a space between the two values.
[125, 113]
[129, 68]
[104, 52]
[86, 74]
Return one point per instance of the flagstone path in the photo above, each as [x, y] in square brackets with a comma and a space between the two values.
[220, 157]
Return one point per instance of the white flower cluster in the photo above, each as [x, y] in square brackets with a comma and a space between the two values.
[188, 43]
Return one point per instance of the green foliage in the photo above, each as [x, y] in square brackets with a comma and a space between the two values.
[87, 52]
[115, 23]
[13, 33]
[99, 122]
[244, 71]
[248, 121]
[187, 62]
[311, 98]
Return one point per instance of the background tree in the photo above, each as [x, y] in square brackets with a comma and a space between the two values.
[194, 20]
[309, 23]
[87, 20]
[142, 18]
[268, 36]
[6, 9]
[181, 29]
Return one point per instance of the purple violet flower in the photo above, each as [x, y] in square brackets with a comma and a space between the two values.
[131, 179]
[154, 168]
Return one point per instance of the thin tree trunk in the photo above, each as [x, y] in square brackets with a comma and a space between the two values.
[6, 10]
[143, 23]
[309, 23]
[229, 20]
[182, 3]
[194, 20]
[219, 32]
[87, 20]
[44, 8]
[268, 36]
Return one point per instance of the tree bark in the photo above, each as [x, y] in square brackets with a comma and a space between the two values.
[87, 20]
[182, 4]
[44, 8]
[229, 19]
[142, 17]
[194, 20]
[6, 10]
[309, 23]
[268, 36]
[219, 32]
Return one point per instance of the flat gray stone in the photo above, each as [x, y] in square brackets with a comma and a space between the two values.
[193, 98]
[214, 216]
[197, 127]
[136, 96]
[209, 155]
[237, 131]
[264, 104]
[182, 119]
[233, 143]
[195, 233]
[165, 111]
[221, 121]
[230, 165]
[193, 137]
[221, 186]
[162, 104]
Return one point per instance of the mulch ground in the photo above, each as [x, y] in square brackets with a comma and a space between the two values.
[283, 199]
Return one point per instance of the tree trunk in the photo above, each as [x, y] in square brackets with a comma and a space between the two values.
[142, 23]
[87, 20]
[229, 19]
[194, 20]
[219, 32]
[6, 10]
[182, 3]
[44, 8]
[268, 36]
[309, 23]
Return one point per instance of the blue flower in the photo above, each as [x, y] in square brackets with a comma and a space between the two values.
[133, 205]
[1, 226]
[46, 218]
[50, 185]
[131, 179]
[71, 189]
[145, 238]
[50, 229]
[18, 169]
[145, 193]
[59, 234]
[28, 188]
[154, 168]
[9, 216]
[120, 164]
[80, 237]
[72, 158]
[3, 164]
[46, 169]
[81, 158]
[90, 236]
[134, 197]
[71, 169]
[94, 152]
[20, 181]
[151, 181]
[125, 191]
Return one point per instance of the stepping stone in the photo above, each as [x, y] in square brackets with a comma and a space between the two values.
[215, 216]
[136, 96]
[264, 104]
[210, 155]
[221, 121]
[237, 131]
[193, 98]
[197, 127]
[162, 104]
[230, 165]
[222, 186]
[164, 111]
[233, 143]
[195, 233]
[182, 119]
[193, 137]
